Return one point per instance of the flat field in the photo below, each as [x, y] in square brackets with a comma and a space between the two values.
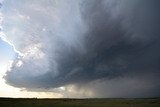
[104, 102]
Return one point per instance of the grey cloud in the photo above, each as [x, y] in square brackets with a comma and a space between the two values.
[86, 41]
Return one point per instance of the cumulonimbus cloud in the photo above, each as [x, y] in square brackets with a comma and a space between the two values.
[77, 42]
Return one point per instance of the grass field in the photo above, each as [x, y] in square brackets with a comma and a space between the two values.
[9, 102]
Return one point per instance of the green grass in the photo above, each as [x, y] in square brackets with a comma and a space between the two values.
[9, 102]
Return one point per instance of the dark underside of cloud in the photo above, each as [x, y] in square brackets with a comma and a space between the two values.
[104, 46]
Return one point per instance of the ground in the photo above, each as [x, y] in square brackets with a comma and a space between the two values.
[105, 102]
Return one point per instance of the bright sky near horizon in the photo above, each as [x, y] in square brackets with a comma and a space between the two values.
[6, 56]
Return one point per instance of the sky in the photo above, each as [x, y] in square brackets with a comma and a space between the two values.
[80, 48]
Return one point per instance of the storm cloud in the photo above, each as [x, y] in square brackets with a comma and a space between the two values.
[107, 47]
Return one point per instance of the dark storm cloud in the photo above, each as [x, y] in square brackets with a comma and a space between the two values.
[121, 39]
